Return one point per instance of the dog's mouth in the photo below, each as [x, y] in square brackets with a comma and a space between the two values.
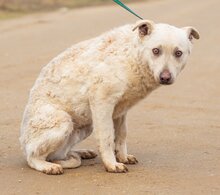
[166, 83]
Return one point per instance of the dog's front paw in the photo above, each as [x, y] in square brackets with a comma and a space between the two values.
[129, 159]
[117, 168]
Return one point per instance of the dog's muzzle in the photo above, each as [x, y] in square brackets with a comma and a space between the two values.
[166, 77]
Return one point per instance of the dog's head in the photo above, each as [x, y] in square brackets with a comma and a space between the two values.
[165, 48]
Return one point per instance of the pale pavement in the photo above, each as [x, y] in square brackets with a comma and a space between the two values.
[175, 133]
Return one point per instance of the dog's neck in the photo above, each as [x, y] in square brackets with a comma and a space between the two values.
[141, 81]
[141, 77]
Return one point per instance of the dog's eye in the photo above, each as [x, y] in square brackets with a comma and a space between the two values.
[178, 53]
[156, 51]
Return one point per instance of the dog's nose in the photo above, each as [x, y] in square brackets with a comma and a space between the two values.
[165, 77]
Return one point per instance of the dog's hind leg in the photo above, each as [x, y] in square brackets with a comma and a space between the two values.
[80, 135]
[72, 160]
[47, 131]
[66, 155]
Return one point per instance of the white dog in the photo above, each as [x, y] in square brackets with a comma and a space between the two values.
[91, 86]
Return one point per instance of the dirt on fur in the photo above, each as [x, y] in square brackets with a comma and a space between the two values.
[174, 133]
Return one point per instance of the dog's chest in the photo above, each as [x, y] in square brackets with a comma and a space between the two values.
[129, 99]
[140, 84]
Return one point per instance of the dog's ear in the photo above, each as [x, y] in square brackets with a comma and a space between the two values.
[191, 32]
[145, 27]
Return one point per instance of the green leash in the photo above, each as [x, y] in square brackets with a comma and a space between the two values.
[125, 7]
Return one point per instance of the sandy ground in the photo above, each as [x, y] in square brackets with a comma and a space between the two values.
[174, 133]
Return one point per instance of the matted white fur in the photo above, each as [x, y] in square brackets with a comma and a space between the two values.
[91, 86]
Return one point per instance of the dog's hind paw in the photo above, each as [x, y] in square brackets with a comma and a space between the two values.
[86, 154]
[54, 169]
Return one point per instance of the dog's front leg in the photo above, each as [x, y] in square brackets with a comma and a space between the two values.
[104, 130]
[120, 141]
